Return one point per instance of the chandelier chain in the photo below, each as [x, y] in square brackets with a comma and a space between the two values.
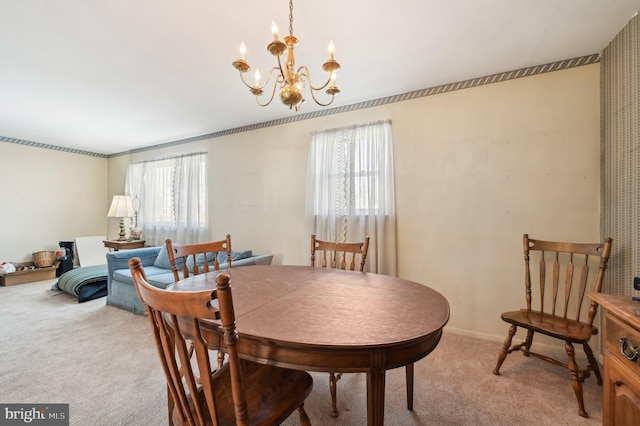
[291, 18]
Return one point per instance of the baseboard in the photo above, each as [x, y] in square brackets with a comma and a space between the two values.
[474, 334]
[544, 344]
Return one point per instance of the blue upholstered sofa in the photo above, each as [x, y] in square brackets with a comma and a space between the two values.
[155, 260]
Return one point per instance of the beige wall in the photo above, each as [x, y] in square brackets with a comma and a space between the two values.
[475, 169]
[49, 196]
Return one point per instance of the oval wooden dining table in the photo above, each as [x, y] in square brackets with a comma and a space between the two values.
[323, 319]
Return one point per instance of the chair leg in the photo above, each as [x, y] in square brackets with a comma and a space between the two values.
[527, 342]
[504, 351]
[592, 362]
[409, 379]
[220, 359]
[304, 418]
[170, 405]
[333, 380]
[576, 378]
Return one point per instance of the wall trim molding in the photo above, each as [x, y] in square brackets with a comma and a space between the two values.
[451, 87]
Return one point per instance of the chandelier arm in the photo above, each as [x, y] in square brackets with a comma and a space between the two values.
[277, 80]
[244, 82]
[316, 99]
[273, 93]
[266, 83]
[304, 71]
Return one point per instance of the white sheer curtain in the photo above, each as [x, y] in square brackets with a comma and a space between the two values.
[350, 190]
[173, 198]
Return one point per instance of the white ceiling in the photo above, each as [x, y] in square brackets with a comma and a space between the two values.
[111, 76]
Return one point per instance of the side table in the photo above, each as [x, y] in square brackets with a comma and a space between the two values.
[123, 245]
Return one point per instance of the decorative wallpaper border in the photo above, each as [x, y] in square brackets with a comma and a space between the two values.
[53, 147]
[481, 81]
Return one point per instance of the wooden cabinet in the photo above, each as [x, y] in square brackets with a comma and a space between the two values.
[621, 344]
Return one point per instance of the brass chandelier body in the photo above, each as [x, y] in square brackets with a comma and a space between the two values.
[288, 78]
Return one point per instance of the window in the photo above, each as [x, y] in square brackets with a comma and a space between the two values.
[350, 189]
[173, 198]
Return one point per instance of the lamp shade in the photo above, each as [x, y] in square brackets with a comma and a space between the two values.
[121, 206]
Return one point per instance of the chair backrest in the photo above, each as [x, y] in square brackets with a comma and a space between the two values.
[197, 257]
[175, 319]
[565, 273]
[339, 255]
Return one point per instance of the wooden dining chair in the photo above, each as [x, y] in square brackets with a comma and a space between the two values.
[564, 277]
[197, 257]
[240, 392]
[339, 255]
[347, 256]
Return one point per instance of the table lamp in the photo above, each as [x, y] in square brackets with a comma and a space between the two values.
[121, 207]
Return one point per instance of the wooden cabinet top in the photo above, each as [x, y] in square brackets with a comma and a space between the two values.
[623, 307]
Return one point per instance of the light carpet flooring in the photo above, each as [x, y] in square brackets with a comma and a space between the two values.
[102, 362]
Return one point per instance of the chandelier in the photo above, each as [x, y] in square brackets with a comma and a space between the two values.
[288, 79]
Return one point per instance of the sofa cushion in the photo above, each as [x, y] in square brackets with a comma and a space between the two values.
[162, 280]
[153, 273]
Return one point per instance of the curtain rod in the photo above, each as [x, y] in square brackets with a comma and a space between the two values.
[353, 126]
[171, 158]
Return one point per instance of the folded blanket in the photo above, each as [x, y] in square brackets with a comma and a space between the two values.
[86, 283]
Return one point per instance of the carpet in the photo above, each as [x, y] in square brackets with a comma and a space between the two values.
[102, 361]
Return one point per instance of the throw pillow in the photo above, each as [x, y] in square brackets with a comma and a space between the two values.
[235, 255]
[162, 261]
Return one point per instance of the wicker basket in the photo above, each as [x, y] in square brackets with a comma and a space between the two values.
[43, 259]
